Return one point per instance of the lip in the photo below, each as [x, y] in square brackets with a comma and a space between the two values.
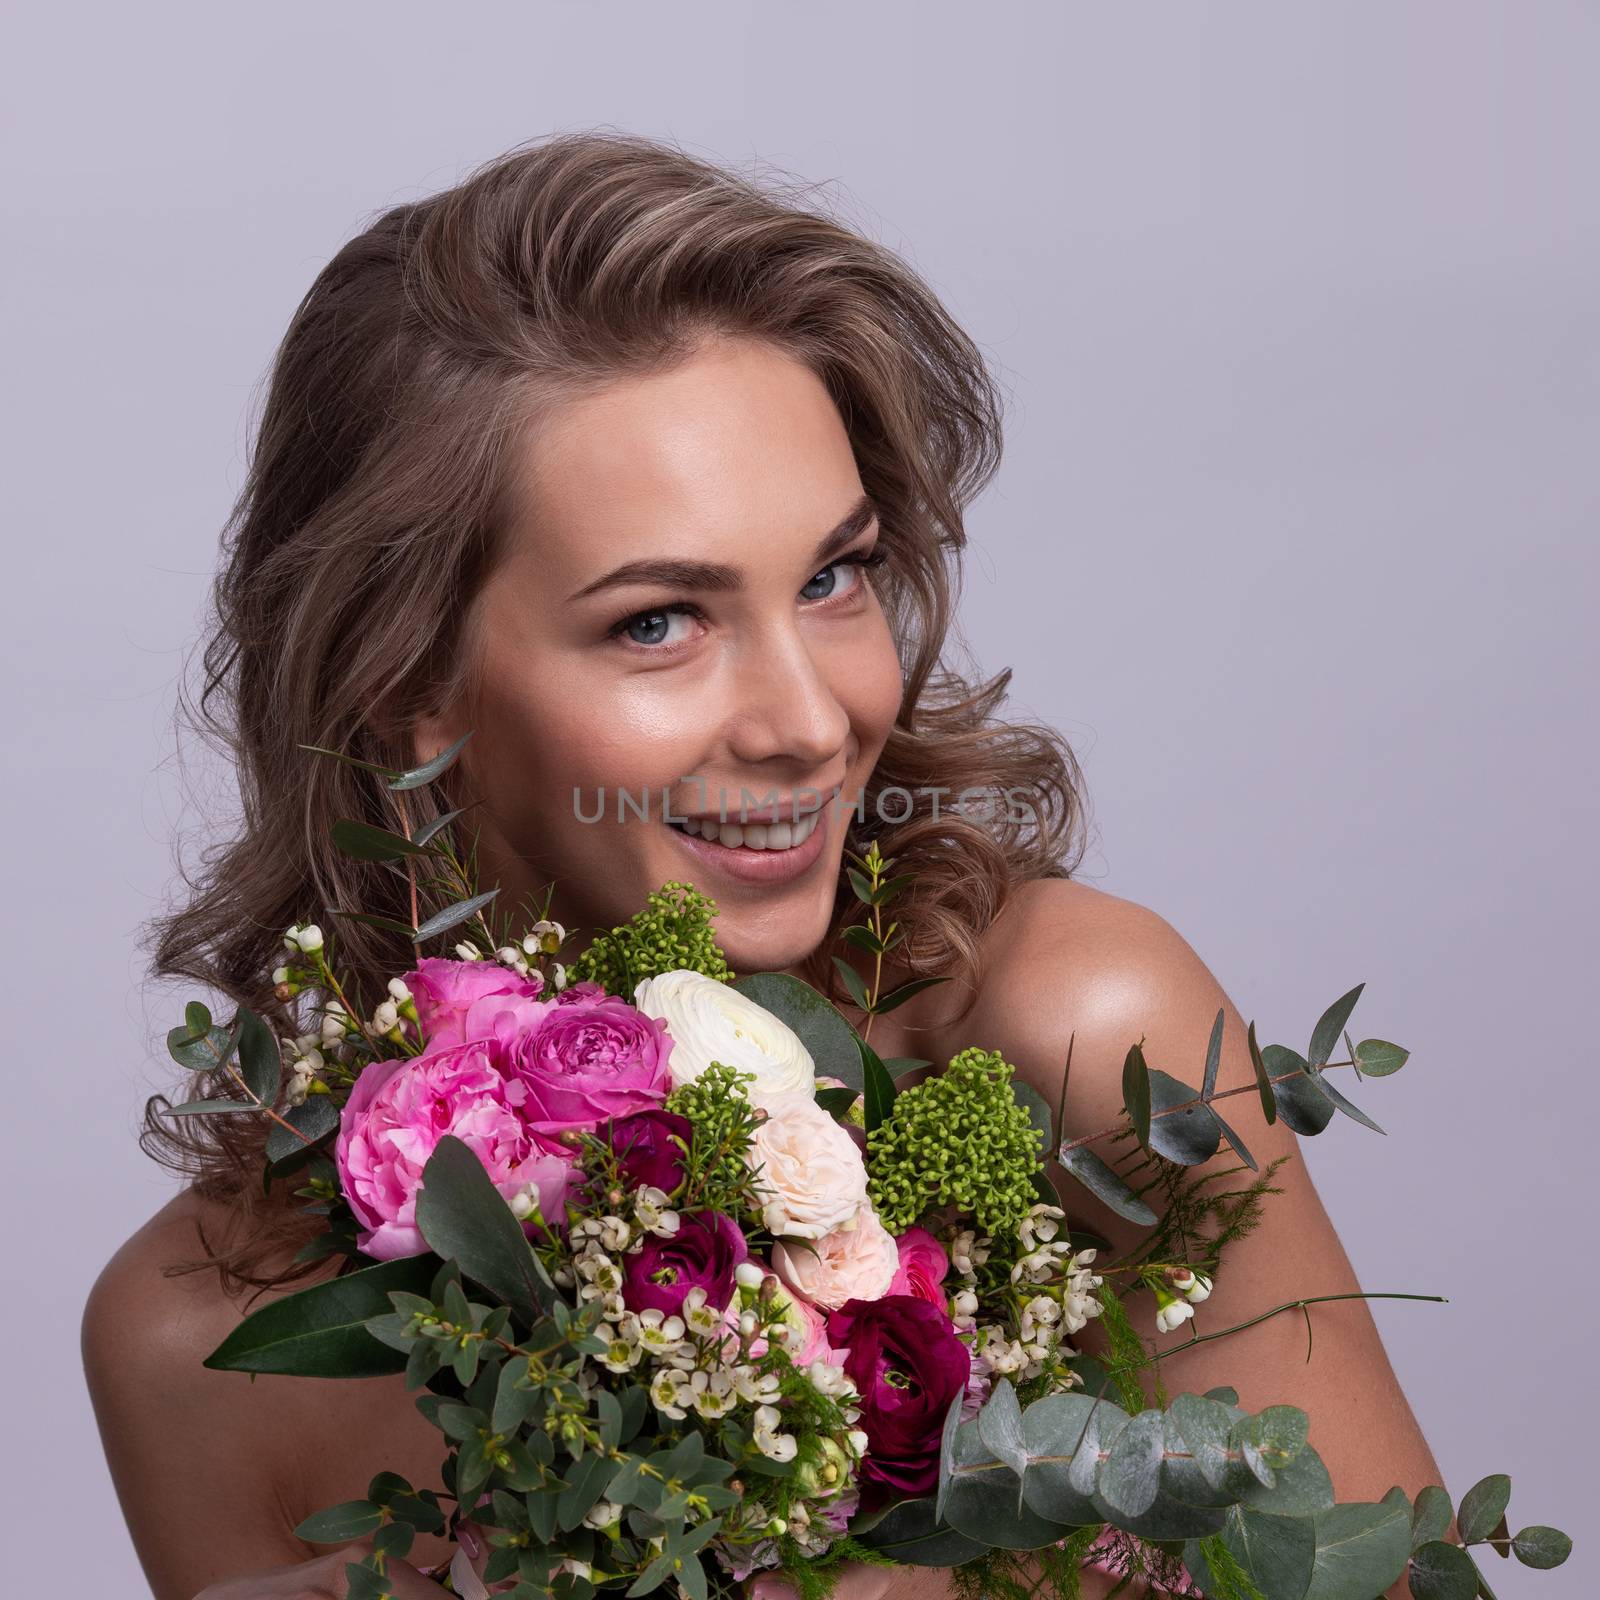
[735, 863]
[779, 812]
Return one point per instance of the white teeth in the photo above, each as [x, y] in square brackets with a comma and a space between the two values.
[755, 835]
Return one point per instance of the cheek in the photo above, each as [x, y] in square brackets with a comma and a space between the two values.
[872, 688]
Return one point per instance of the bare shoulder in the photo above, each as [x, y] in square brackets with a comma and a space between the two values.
[214, 1470]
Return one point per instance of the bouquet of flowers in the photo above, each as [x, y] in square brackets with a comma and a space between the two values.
[694, 1284]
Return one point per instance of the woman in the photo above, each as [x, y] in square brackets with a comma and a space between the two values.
[653, 481]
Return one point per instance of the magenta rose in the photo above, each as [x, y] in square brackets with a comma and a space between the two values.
[908, 1366]
[648, 1149]
[588, 1061]
[457, 1001]
[396, 1114]
[923, 1265]
[702, 1254]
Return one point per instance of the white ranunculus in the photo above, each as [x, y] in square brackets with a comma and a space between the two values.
[809, 1171]
[712, 1021]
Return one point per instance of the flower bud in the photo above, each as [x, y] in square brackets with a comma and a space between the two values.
[749, 1274]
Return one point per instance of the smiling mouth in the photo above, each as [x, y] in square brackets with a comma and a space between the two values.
[751, 835]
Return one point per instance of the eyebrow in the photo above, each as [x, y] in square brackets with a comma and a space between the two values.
[682, 573]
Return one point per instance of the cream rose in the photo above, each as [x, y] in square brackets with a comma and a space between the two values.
[809, 1171]
[711, 1021]
[857, 1262]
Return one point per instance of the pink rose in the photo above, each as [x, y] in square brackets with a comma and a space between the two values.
[396, 1114]
[586, 1061]
[457, 1001]
[857, 1262]
[923, 1265]
[809, 1174]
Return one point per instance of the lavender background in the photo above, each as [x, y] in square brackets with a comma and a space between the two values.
[1295, 538]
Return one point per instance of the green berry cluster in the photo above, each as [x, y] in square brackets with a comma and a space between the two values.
[673, 931]
[718, 1108]
[958, 1139]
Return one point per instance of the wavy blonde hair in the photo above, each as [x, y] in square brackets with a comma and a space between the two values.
[378, 486]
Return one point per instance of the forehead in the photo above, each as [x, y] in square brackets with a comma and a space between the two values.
[739, 443]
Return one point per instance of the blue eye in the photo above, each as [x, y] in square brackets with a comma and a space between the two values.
[874, 558]
[651, 627]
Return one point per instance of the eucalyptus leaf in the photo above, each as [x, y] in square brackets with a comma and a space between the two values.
[429, 770]
[1441, 1571]
[1136, 1093]
[1052, 1432]
[1279, 1553]
[204, 1052]
[1330, 1025]
[1377, 1058]
[363, 842]
[466, 1219]
[1269, 1101]
[260, 1058]
[1189, 1136]
[911, 1534]
[1240, 1148]
[1038, 1110]
[431, 829]
[1213, 1057]
[1362, 1547]
[1300, 1100]
[1130, 1474]
[1430, 1516]
[982, 1499]
[351, 761]
[321, 1332]
[1538, 1546]
[1482, 1506]
[821, 1029]
[314, 1119]
[1105, 1185]
[452, 916]
[1000, 1429]
[211, 1108]
[1349, 1107]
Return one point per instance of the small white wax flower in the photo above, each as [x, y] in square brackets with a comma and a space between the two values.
[280, 975]
[308, 937]
[387, 1016]
[748, 1274]
[1200, 1288]
[1173, 1315]
[558, 975]
[468, 951]
[398, 991]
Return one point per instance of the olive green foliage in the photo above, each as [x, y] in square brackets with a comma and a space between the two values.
[959, 1139]
[672, 932]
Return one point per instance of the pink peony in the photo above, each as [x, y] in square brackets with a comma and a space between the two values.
[457, 1001]
[586, 1061]
[396, 1114]
[923, 1265]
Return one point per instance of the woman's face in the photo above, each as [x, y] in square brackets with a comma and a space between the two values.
[680, 627]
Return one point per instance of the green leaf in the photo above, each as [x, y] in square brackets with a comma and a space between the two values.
[1240, 1148]
[821, 1029]
[1301, 1102]
[1538, 1546]
[836, 1102]
[1038, 1109]
[899, 1066]
[1136, 1093]
[899, 996]
[1106, 1186]
[451, 916]
[863, 938]
[429, 770]
[431, 829]
[369, 919]
[1430, 1516]
[207, 1052]
[1213, 1057]
[211, 1108]
[321, 1332]
[260, 1059]
[366, 843]
[350, 761]
[1279, 1553]
[1482, 1506]
[1441, 1571]
[351, 1519]
[911, 1534]
[1362, 1548]
[878, 1090]
[860, 884]
[1349, 1107]
[1329, 1026]
[1377, 1058]
[466, 1219]
[315, 1119]
[1189, 1136]
[1269, 1101]
[1000, 1429]
[197, 1019]
[854, 982]
[1131, 1472]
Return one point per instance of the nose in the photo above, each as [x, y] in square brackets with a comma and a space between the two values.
[783, 707]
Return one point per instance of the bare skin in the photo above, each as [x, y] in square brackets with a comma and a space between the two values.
[787, 682]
